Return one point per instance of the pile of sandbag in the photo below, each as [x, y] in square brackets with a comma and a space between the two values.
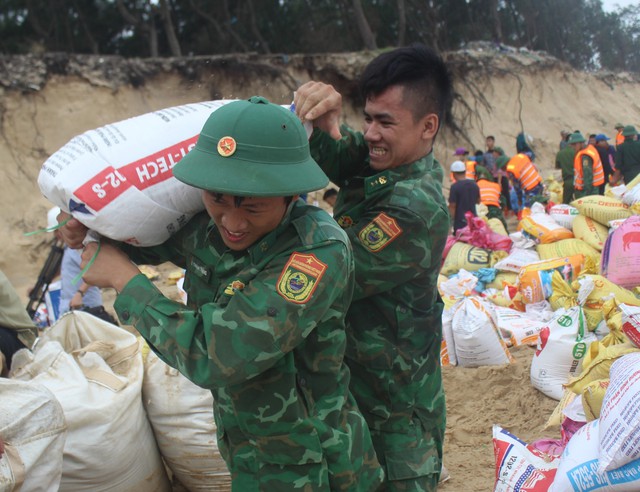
[90, 408]
[600, 445]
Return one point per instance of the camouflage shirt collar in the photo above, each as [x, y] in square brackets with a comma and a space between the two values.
[257, 250]
[388, 177]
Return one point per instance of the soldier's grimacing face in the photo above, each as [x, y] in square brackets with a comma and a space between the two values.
[394, 137]
[242, 225]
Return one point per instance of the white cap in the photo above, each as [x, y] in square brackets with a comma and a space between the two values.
[52, 215]
[458, 167]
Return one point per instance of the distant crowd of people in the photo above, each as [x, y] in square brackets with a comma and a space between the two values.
[507, 184]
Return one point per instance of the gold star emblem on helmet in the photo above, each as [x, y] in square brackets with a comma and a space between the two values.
[226, 146]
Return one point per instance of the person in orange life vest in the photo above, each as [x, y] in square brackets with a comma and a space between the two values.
[490, 195]
[627, 157]
[525, 179]
[503, 180]
[619, 136]
[588, 173]
[463, 196]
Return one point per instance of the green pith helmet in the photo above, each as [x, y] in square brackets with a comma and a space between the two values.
[252, 148]
[618, 126]
[576, 137]
[502, 161]
[629, 131]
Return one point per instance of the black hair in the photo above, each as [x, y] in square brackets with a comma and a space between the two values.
[237, 200]
[491, 137]
[329, 193]
[420, 71]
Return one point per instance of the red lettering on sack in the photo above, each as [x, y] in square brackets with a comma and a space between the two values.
[103, 188]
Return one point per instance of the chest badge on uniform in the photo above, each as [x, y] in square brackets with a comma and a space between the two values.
[233, 287]
[345, 221]
[226, 146]
[379, 233]
[300, 277]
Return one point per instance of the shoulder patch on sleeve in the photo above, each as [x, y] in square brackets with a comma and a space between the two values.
[300, 277]
[378, 233]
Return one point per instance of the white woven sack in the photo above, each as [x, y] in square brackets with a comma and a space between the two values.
[578, 470]
[95, 370]
[117, 179]
[33, 429]
[620, 415]
[562, 345]
[181, 414]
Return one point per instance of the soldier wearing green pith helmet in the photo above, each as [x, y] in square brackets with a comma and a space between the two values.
[269, 280]
[392, 207]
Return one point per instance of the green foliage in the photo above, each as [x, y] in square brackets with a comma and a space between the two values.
[576, 31]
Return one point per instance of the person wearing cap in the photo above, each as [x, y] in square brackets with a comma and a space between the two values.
[392, 207]
[464, 195]
[588, 174]
[564, 136]
[607, 155]
[564, 162]
[525, 179]
[619, 136]
[269, 280]
[627, 157]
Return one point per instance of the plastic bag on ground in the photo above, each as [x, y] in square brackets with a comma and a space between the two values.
[620, 261]
[563, 343]
[476, 337]
[620, 415]
[564, 215]
[578, 470]
[522, 467]
[602, 209]
[478, 233]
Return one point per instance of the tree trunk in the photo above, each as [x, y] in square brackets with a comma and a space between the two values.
[367, 36]
[172, 39]
[402, 22]
[255, 30]
[496, 26]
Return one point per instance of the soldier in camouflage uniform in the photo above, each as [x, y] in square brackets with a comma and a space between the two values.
[391, 206]
[269, 280]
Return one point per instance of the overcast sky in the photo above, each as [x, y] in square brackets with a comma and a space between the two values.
[610, 5]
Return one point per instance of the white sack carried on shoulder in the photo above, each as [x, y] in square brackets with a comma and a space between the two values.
[95, 370]
[34, 430]
[117, 179]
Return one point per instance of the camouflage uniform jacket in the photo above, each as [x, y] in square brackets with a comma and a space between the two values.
[397, 221]
[13, 314]
[264, 331]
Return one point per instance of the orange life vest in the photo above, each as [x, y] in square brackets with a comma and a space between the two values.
[489, 192]
[619, 138]
[578, 174]
[470, 172]
[524, 171]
